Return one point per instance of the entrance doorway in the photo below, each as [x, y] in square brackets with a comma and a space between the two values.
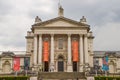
[75, 66]
[46, 66]
[60, 64]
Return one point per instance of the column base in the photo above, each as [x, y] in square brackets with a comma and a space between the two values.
[69, 68]
[52, 67]
[81, 68]
[35, 68]
[40, 67]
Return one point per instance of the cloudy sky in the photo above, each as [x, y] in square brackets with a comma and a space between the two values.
[17, 16]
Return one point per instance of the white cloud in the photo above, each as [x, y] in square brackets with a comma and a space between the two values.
[107, 37]
[11, 48]
[17, 16]
[16, 21]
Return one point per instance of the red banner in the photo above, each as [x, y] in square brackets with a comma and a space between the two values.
[75, 50]
[16, 63]
[46, 51]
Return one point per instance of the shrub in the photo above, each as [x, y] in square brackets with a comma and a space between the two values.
[107, 78]
[14, 78]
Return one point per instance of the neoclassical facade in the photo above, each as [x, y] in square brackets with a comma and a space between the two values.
[60, 43]
[7, 61]
[113, 61]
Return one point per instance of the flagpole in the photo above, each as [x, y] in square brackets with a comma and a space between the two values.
[26, 72]
[15, 73]
[105, 73]
[96, 72]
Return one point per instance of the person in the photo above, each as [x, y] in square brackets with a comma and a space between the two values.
[52, 68]
[40, 68]
[40, 78]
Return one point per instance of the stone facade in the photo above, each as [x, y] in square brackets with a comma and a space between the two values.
[113, 61]
[60, 32]
[66, 30]
[7, 61]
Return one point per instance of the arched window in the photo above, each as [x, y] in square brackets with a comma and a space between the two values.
[6, 66]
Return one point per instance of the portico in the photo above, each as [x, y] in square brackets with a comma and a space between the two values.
[38, 47]
[61, 41]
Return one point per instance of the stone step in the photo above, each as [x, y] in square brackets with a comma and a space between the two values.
[61, 75]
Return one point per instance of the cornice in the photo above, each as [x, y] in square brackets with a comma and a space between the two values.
[60, 18]
[91, 37]
[51, 27]
[29, 37]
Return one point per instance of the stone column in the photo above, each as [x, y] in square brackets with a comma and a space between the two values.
[69, 66]
[81, 53]
[35, 50]
[52, 49]
[40, 50]
[86, 48]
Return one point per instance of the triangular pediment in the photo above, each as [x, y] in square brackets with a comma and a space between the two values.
[60, 22]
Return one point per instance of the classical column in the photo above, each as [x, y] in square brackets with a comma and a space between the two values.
[35, 49]
[86, 48]
[40, 50]
[81, 52]
[52, 49]
[69, 66]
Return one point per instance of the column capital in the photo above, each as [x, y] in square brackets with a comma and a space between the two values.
[85, 35]
[80, 35]
[69, 35]
[52, 35]
[40, 34]
[35, 35]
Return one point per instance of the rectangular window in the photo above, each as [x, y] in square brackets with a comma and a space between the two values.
[60, 43]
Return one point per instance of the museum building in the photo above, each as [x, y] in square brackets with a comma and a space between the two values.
[58, 45]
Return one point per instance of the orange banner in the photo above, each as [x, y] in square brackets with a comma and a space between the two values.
[46, 51]
[75, 50]
[16, 63]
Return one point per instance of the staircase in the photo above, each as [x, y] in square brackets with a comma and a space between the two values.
[61, 75]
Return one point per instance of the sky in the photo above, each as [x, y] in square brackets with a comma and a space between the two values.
[17, 16]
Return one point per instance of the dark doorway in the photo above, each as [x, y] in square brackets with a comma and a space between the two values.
[60, 63]
[74, 66]
[60, 66]
[46, 66]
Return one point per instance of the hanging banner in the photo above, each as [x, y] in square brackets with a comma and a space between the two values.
[16, 63]
[26, 63]
[75, 50]
[105, 66]
[46, 51]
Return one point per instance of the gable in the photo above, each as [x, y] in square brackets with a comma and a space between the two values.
[60, 23]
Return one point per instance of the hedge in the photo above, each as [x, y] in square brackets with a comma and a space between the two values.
[14, 78]
[107, 78]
